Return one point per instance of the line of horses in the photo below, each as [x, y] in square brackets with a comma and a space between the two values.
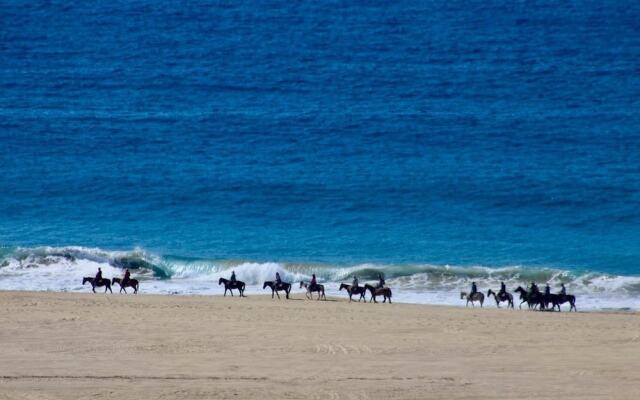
[534, 300]
[318, 289]
[132, 283]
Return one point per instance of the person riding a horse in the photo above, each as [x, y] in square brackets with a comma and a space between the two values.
[127, 277]
[503, 289]
[563, 290]
[278, 280]
[381, 282]
[474, 289]
[354, 284]
[547, 290]
[98, 278]
[233, 276]
[534, 288]
[313, 283]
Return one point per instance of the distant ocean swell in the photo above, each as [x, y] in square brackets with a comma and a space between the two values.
[61, 269]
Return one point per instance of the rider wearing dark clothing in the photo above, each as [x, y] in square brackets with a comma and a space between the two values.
[127, 277]
[381, 281]
[98, 278]
[313, 282]
[563, 290]
[503, 290]
[354, 284]
[547, 290]
[278, 280]
[233, 276]
[534, 288]
[474, 289]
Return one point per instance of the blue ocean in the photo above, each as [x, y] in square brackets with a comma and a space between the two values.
[437, 142]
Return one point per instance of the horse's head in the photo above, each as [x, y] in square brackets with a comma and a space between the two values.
[114, 280]
[342, 286]
[221, 281]
[489, 292]
[85, 280]
[266, 284]
[463, 295]
[301, 284]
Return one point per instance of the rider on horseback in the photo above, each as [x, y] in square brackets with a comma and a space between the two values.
[98, 277]
[474, 289]
[534, 288]
[503, 290]
[547, 290]
[381, 281]
[354, 284]
[127, 277]
[313, 283]
[563, 290]
[233, 277]
[278, 280]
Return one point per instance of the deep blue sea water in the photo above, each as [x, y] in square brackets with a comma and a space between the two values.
[350, 136]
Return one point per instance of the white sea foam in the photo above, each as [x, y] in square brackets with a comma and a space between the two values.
[62, 269]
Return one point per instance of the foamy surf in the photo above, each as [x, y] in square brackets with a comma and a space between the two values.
[62, 269]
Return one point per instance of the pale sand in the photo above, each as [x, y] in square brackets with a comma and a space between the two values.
[76, 346]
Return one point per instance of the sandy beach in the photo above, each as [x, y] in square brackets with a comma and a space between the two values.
[80, 346]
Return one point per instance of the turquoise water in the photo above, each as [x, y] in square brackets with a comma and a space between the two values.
[502, 141]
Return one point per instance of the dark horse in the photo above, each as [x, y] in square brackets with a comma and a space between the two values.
[317, 288]
[385, 292]
[506, 296]
[557, 299]
[532, 299]
[133, 283]
[104, 282]
[275, 288]
[361, 290]
[228, 285]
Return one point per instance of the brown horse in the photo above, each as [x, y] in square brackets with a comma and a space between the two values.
[385, 292]
[228, 285]
[316, 288]
[275, 288]
[132, 283]
[104, 282]
[506, 296]
[351, 291]
[477, 296]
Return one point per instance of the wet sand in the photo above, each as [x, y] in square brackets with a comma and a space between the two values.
[81, 346]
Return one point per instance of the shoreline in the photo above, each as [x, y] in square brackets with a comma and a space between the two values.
[489, 304]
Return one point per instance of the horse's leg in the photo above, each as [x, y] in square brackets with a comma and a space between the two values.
[93, 287]
[276, 295]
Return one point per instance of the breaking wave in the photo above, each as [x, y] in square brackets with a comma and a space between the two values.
[62, 269]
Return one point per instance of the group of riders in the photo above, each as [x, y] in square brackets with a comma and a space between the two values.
[532, 289]
[313, 285]
[355, 284]
[125, 279]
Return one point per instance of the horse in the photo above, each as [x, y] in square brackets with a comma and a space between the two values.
[277, 287]
[532, 299]
[564, 298]
[506, 296]
[229, 285]
[133, 283]
[557, 299]
[104, 282]
[477, 296]
[317, 288]
[384, 291]
[361, 290]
